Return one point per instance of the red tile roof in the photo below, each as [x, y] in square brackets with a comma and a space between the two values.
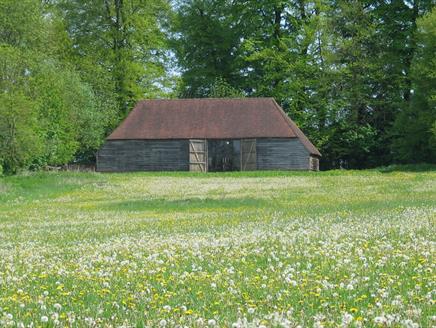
[206, 118]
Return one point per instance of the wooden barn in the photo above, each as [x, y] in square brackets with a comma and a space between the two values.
[207, 135]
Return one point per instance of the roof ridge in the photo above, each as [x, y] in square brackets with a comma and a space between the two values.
[204, 99]
[208, 118]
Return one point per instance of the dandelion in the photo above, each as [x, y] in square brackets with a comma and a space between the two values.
[347, 318]
[44, 318]
[381, 320]
[158, 266]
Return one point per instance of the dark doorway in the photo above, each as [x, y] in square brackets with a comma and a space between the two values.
[224, 155]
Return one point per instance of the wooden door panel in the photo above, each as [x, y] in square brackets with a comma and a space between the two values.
[198, 155]
[248, 155]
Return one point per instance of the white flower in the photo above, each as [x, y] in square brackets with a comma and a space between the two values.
[44, 318]
[57, 306]
[163, 323]
[409, 324]
[251, 310]
[346, 319]
[380, 320]
[211, 322]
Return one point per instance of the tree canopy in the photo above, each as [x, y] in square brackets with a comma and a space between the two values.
[357, 76]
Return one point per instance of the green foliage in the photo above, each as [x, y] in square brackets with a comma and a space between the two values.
[21, 23]
[356, 76]
[19, 143]
[350, 146]
[221, 89]
[416, 124]
[122, 44]
[68, 116]
[206, 41]
[49, 115]
[337, 67]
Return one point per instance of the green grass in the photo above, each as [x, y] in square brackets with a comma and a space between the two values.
[244, 249]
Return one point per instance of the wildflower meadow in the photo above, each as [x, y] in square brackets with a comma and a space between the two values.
[277, 249]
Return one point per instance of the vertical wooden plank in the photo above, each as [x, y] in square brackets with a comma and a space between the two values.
[248, 155]
[143, 155]
[206, 158]
[282, 154]
[313, 163]
[198, 155]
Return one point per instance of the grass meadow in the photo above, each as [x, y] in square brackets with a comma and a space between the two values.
[264, 249]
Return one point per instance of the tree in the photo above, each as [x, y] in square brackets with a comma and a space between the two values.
[19, 142]
[221, 89]
[119, 47]
[48, 114]
[206, 39]
[341, 69]
[415, 126]
[68, 115]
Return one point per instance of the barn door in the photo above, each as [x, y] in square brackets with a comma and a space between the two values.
[248, 154]
[197, 155]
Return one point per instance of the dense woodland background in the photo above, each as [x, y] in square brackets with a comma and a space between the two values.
[359, 77]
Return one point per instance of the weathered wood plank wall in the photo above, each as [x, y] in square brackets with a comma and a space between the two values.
[173, 155]
[143, 155]
[282, 154]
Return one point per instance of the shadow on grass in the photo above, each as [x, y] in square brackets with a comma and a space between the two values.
[191, 204]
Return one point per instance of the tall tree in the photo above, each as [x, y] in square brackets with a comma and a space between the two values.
[48, 113]
[341, 69]
[206, 37]
[121, 45]
[415, 126]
